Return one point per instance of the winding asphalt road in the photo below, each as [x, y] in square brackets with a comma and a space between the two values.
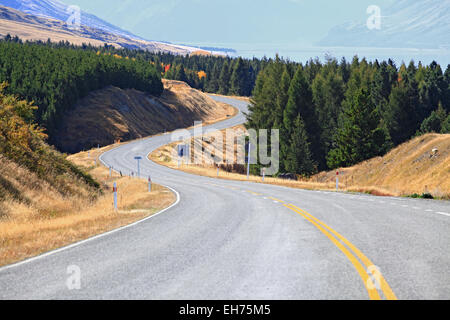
[238, 240]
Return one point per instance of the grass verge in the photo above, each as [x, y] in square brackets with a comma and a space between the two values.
[27, 230]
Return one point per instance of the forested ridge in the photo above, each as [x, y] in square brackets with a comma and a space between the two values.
[54, 78]
[56, 75]
[330, 114]
[336, 114]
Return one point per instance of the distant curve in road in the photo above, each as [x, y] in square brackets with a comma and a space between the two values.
[240, 240]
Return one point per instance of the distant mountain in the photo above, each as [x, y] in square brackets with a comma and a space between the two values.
[44, 19]
[406, 24]
[58, 10]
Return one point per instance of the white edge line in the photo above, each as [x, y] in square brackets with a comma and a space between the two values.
[443, 213]
[76, 244]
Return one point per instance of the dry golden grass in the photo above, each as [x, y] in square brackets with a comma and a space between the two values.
[30, 27]
[406, 170]
[410, 168]
[50, 221]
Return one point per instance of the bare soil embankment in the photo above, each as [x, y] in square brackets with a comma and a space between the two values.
[111, 114]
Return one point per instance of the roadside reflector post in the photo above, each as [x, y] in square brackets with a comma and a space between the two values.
[149, 184]
[337, 180]
[115, 196]
[263, 174]
[218, 170]
[249, 160]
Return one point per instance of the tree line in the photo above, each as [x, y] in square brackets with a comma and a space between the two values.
[56, 76]
[336, 114]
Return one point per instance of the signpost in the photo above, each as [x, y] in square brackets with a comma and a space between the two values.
[138, 158]
[183, 152]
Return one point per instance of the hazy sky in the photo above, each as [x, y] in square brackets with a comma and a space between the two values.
[229, 21]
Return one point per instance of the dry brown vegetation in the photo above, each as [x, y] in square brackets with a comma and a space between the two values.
[30, 27]
[112, 114]
[409, 169]
[48, 220]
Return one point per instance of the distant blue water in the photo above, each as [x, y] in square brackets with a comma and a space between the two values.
[304, 53]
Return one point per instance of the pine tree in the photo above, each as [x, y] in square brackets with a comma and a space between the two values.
[224, 79]
[403, 114]
[298, 159]
[300, 103]
[239, 79]
[435, 122]
[359, 136]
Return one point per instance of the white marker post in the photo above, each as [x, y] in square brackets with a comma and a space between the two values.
[337, 180]
[263, 174]
[249, 160]
[149, 184]
[115, 196]
[217, 170]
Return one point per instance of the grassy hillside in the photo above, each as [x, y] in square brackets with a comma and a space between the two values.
[30, 27]
[412, 168]
[408, 169]
[48, 201]
[112, 114]
[31, 172]
[55, 78]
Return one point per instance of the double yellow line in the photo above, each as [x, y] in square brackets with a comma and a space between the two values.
[350, 253]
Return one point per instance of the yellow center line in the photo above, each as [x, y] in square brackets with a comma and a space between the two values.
[275, 199]
[368, 283]
[387, 291]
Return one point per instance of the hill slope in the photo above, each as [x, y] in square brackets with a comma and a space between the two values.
[112, 114]
[410, 168]
[58, 10]
[30, 26]
[31, 172]
[406, 24]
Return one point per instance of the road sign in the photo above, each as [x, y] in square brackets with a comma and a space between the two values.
[183, 150]
[138, 158]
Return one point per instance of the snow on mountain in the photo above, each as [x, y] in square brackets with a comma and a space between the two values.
[58, 10]
[406, 24]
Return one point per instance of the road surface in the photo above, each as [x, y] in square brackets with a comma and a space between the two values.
[239, 240]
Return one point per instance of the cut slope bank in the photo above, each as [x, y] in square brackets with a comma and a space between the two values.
[111, 114]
